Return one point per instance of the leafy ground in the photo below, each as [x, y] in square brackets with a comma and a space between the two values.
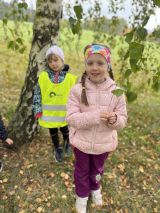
[32, 182]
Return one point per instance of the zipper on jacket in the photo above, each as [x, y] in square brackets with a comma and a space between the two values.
[95, 128]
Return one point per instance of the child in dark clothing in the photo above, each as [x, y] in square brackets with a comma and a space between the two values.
[4, 137]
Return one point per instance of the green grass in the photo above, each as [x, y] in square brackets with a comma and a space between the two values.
[31, 180]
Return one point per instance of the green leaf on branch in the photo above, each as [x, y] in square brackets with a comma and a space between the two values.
[118, 92]
[75, 25]
[26, 17]
[135, 50]
[16, 46]
[131, 96]
[127, 73]
[129, 37]
[142, 33]
[156, 83]
[72, 21]
[22, 50]
[23, 5]
[76, 29]
[157, 2]
[19, 40]
[126, 55]
[78, 11]
[11, 45]
[5, 21]
[133, 64]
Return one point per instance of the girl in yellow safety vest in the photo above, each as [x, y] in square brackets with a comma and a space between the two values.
[50, 98]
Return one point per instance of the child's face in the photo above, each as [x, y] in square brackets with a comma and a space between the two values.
[96, 68]
[55, 63]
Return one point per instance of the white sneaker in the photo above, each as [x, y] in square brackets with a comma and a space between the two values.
[81, 204]
[97, 197]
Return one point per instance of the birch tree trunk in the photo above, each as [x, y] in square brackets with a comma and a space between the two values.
[23, 125]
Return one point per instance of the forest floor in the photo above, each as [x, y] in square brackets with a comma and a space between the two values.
[31, 180]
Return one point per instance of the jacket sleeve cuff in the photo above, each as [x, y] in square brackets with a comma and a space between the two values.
[119, 124]
[4, 138]
[38, 115]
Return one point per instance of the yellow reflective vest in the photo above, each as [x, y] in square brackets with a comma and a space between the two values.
[54, 99]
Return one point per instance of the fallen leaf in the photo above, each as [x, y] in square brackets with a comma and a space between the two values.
[39, 209]
[5, 180]
[141, 169]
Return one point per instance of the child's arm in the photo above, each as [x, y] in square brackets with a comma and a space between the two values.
[4, 134]
[76, 118]
[37, 106]
[118, 119]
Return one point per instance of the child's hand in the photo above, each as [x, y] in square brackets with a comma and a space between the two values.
[111, 118]
[104, 116]
[9, 141]
[38, 115]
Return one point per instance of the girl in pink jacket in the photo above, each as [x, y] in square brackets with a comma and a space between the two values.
[94, 115]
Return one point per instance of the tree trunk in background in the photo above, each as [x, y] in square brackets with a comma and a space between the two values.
[23, 125]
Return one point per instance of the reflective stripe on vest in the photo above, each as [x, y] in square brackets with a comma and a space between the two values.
[54, 99]
[54, 107]
[53, 119]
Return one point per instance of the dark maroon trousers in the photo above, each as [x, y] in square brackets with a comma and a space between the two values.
[88, 171]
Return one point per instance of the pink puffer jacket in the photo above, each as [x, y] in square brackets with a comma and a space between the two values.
[87, 132]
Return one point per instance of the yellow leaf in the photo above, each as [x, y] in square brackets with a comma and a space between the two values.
[63, 174]
[57, 211]
[21, 172]
[64, 197]
[112, 201]
[66, 177]
[38, 200]
[49, 204]
[12, 192]
[39, 209]
[51, 174]
[66, 183]
[29, 189]
[141, 169]
[156, 166]
[121, 167]
[69, 189]
[21, 211]
[5, 180]
[5, 197]
[29, 166]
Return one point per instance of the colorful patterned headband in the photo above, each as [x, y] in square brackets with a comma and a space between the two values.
[99, 49]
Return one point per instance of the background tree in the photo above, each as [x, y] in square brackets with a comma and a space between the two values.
[45, 32]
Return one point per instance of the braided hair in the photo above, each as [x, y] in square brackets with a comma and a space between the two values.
[83, 94]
